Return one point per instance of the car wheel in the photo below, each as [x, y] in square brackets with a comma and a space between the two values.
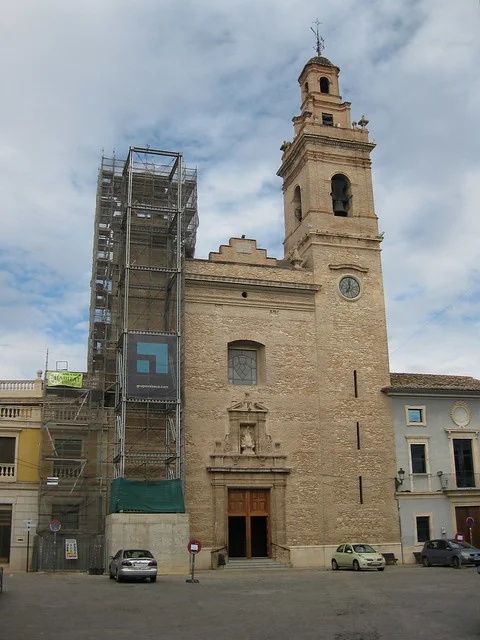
[118, 577]
[456, 562]
[111, 576]
[381, 569]
[334, 565]
[153, 579]
[426, 562]
[356, 566]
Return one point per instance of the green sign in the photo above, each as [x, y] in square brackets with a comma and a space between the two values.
[64, 379]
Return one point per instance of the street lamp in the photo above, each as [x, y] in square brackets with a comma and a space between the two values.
[399, 478]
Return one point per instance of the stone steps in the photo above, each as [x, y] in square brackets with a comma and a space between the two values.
[253, 564]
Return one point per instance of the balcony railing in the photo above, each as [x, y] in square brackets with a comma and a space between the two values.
[459, 480]
[7, 472]
[434, 482]
[21, 388]
[63, 472]
[17, 385]
[65, 415]
[12, 412]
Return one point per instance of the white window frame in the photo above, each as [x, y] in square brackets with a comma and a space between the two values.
[419, 440]
[463, 434]
[11, 434]
[421, 408]
[422, 515]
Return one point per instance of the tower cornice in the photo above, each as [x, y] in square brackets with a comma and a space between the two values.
[346, 240]
[297, 147]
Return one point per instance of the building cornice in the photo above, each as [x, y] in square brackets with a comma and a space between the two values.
[240, 283]
[304, 139]
[431, 393]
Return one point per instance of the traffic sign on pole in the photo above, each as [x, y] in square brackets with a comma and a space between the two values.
[55, 525]
[193, 547]
[29, 525]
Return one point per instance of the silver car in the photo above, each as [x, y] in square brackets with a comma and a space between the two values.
[133, 563]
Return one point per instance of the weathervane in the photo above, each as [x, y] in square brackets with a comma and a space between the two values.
[319, 45]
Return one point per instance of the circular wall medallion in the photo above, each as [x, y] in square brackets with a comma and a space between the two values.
[461, 414]
[349, 287]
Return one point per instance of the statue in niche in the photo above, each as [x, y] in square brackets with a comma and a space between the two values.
[247, 443]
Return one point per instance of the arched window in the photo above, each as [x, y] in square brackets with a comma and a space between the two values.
[324, 85]
[245, 362]
[306, 87]
[297, 203]
[341, 195]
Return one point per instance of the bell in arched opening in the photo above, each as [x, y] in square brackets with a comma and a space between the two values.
[341, 195]
[297, 203]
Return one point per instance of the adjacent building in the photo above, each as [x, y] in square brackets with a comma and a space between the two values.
[20, 445]
[437, 424]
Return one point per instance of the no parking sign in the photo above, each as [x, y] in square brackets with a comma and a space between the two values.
[193, 547]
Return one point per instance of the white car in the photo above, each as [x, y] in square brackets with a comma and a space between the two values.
[356, 557]
[133, 563]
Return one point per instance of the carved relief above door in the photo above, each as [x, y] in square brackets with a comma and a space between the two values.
[247, 445]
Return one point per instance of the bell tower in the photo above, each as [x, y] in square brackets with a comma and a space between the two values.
[326, 168]
[331, 230]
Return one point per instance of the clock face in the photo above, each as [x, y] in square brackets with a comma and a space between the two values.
[349, 287]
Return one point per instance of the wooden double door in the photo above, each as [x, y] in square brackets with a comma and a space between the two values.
[470, 534]
[249, 523]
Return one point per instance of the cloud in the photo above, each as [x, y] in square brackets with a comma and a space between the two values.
[218, 82]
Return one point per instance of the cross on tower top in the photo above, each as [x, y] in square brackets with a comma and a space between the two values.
[319, 44]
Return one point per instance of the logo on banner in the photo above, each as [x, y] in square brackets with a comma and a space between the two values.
[65, 379]
[152, 358]
[152, 366]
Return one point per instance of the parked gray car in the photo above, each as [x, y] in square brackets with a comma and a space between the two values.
[449, 552]
[134, 564]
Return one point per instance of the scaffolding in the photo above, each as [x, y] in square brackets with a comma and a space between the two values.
[145, 225]
[74, 457]
[122, 420]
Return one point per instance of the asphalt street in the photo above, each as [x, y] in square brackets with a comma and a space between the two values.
[401, 603]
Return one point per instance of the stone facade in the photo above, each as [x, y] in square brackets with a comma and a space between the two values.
[320, 444]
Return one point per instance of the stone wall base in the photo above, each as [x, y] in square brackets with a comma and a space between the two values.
[309, 557]
[303, 557]
[166, 535]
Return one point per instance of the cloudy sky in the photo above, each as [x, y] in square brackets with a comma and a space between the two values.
[217, 80]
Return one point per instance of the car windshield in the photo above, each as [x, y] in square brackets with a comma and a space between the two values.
[460, 545]
[137, 553]
[363, 548]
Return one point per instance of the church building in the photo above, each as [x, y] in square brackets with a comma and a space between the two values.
[289, 443]
[236, 400]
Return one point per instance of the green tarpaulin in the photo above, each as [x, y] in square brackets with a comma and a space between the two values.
[158, 496]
